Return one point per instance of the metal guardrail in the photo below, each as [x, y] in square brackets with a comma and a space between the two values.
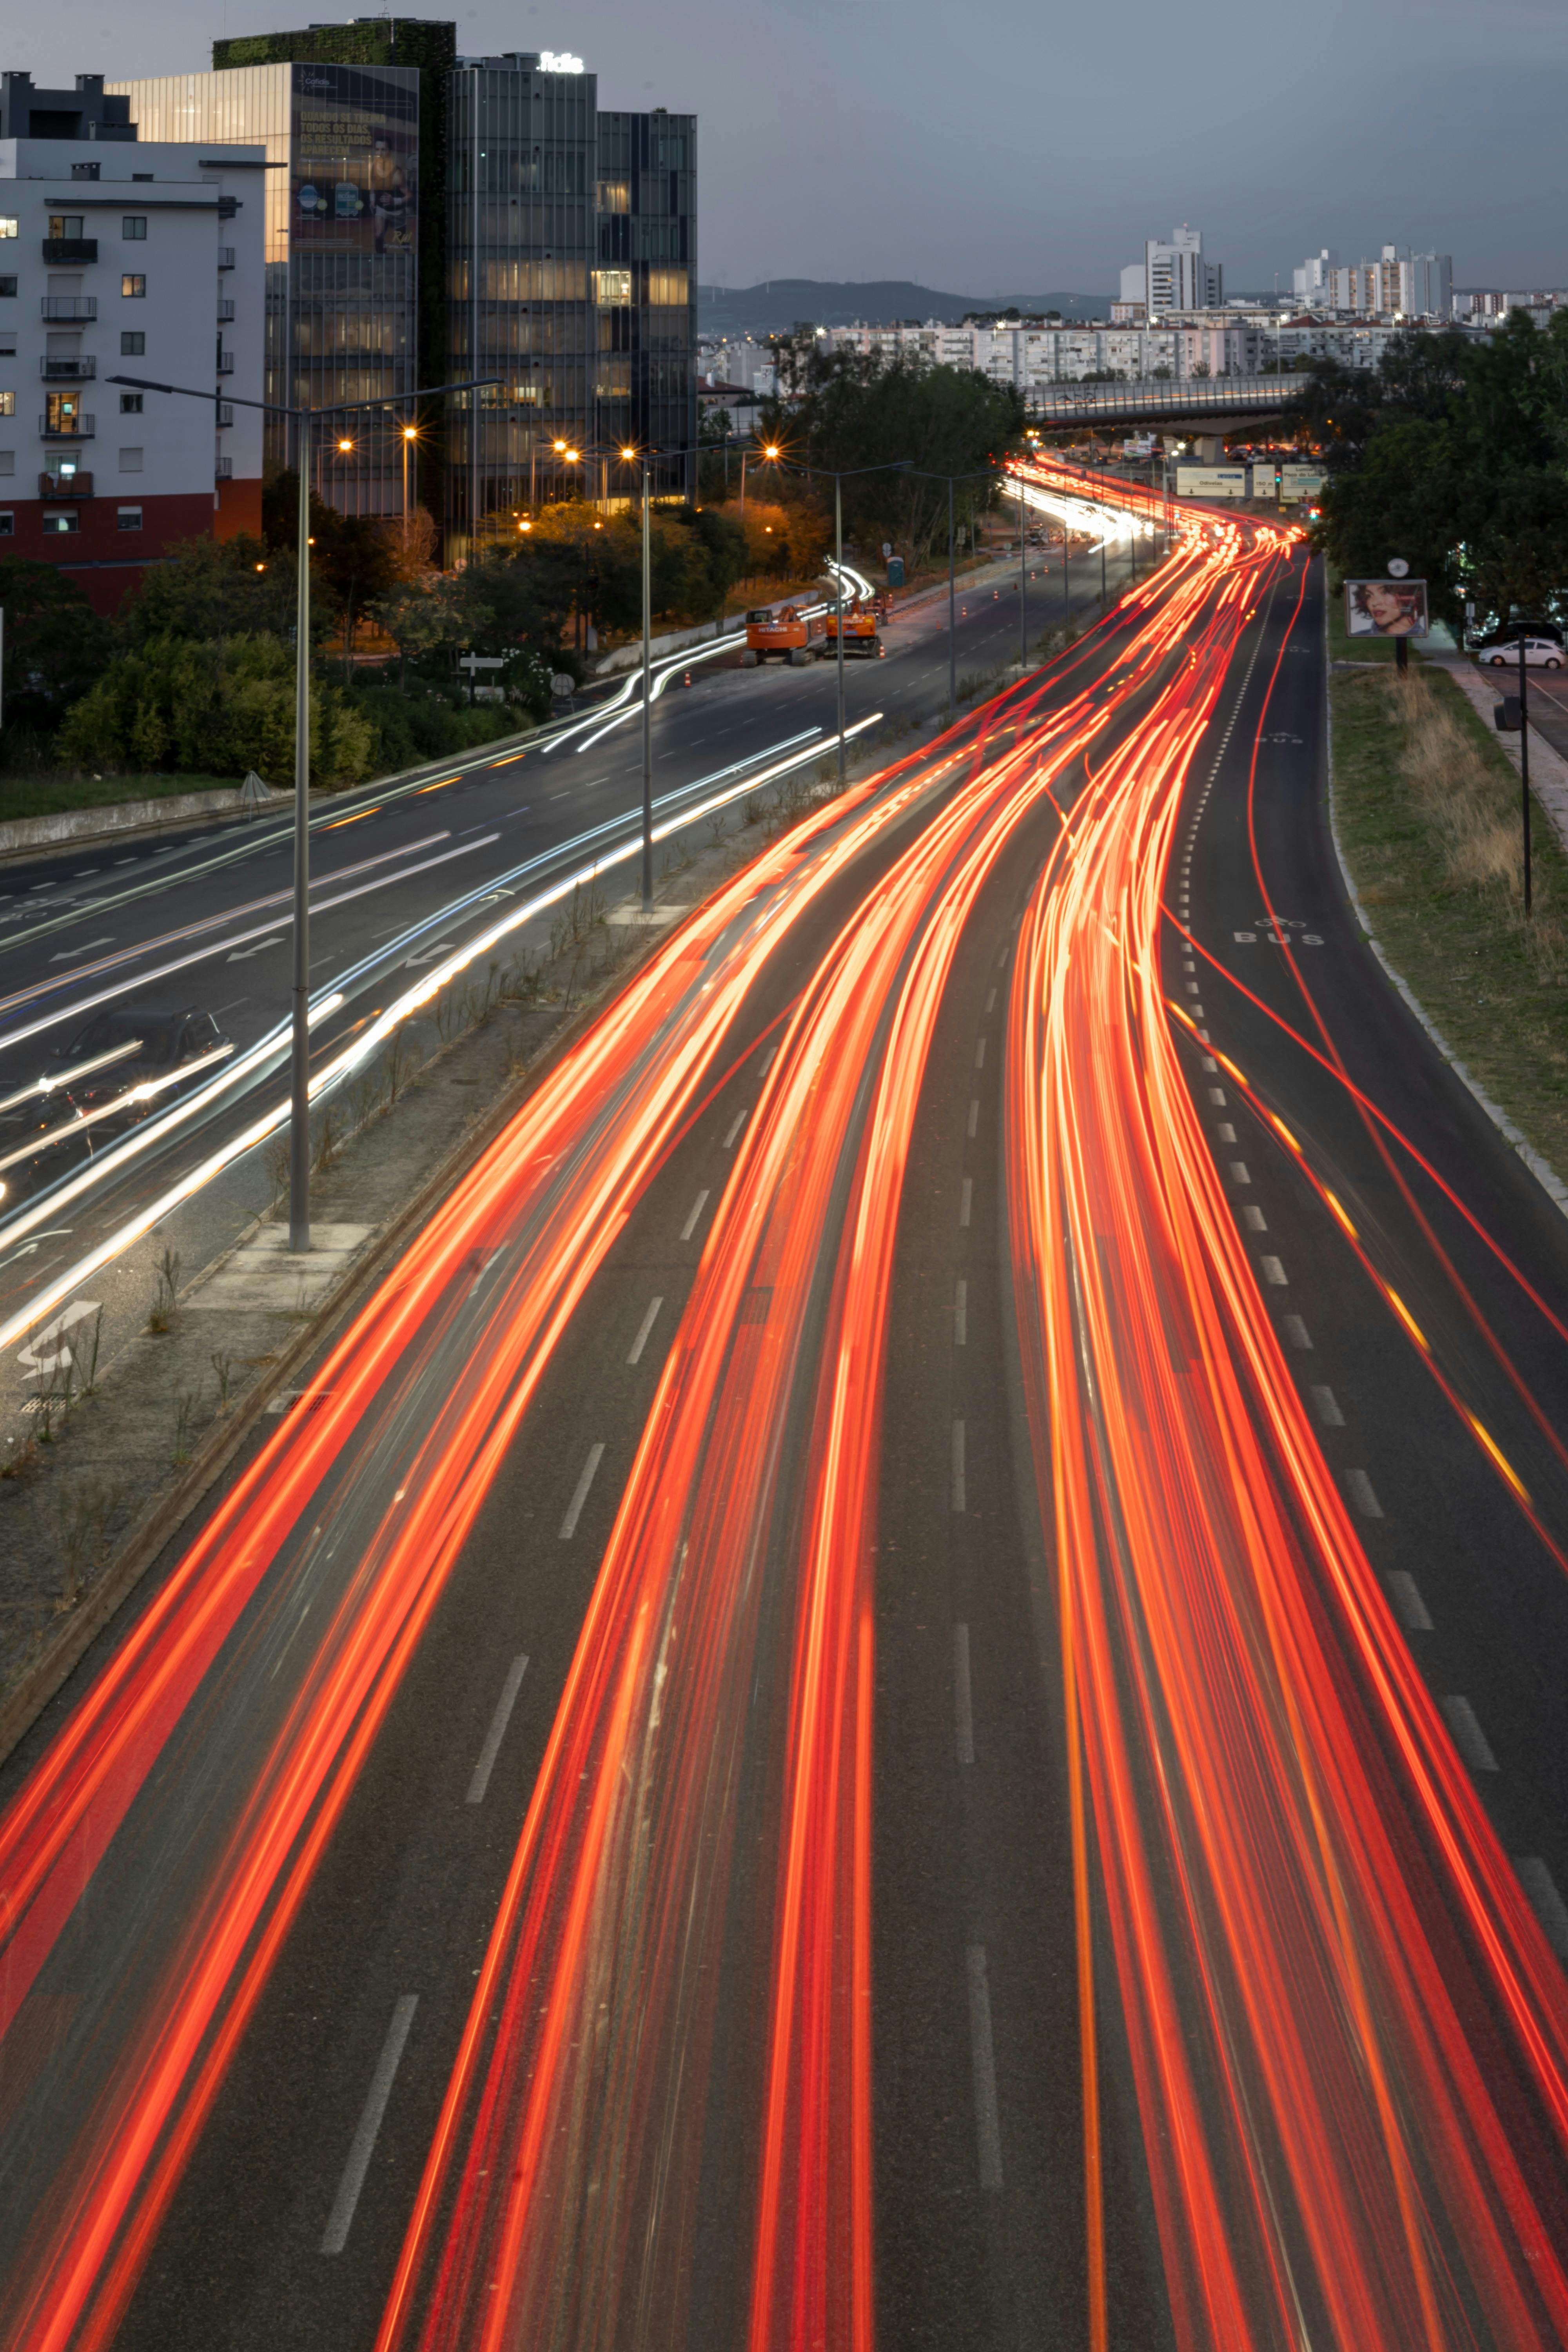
[73, 307]
[1173, 396]
[80, 429]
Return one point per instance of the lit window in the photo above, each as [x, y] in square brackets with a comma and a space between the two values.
[7, 227]
[132, 344]
[68, 226]
[612, 287]
[7, 404]
[615, 195]
[59, 522]
[130, 461]
[130, 403]
[132, 285]
[128, 519]
[134, 227]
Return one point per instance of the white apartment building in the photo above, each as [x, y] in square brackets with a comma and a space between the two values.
[120, 258]
[1173, 276]
[1034, 357]
[1399, 283]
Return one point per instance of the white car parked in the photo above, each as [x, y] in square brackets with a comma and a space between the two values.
[1540, 653]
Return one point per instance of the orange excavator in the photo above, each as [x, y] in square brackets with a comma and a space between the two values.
[860, 639]
[784, 636]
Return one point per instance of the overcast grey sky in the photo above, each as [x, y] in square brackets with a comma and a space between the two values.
[981, 148]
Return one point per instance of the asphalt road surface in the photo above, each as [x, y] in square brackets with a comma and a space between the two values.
[888, 1691]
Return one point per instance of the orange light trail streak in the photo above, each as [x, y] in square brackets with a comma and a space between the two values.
[1347, 2038]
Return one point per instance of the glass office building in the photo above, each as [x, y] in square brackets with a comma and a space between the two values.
[430, 219]
[342, 205]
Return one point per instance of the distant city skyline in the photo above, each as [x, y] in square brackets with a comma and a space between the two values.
[885, 143]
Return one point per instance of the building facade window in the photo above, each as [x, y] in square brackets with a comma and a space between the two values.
[8, 228]
[128, 519]
[133, 343]
[611, 287]
[67, 225]
[7, 461]
[7, 404]
[132, 285]
[55, 523]
[133, 227]
[7, 289]
[130, 461]
[130, 403]
[8, 523]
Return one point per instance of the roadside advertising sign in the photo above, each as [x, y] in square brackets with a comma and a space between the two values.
[1386, 608]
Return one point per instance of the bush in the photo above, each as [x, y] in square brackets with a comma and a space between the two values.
[424, 724]
[178, 704]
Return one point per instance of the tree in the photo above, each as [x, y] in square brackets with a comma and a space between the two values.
[211, 588]
[179, 703]
[356, 561]
[56, 644]
[422, 616]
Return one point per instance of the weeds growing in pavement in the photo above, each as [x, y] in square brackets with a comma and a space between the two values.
[79, 1513]
[223, 1366]
[186, 1402]
[166, 1298]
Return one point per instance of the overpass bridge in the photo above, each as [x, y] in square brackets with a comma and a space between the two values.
[1206, 405]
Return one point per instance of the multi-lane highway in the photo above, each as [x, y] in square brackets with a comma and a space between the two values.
[406, 876]
[899, 1686]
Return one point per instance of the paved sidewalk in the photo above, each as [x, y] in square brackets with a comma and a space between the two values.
[1548, 765]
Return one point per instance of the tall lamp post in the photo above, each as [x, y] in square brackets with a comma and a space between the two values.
[847, 474]
[300, 1063]
[983, 473]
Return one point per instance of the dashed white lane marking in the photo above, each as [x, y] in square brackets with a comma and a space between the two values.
[496, 1731]
[767, 1062]
[1239, 1172]
[962, 1697]
[991, 1000]
[1253, 1218]
[1209, 1062]
[1549, 1908]
[980, 1054]
[958, 1483]
[736, 1124]
[1296, 1331]
[644, 1328]
[961, 1314]
[1274, 1272]
[965, 1199]
[1361, 1495]
[988, 2119]
[580, 1494]
[362, 2147]
[1216, 1096]
[1328, 1407]
[974, 1113]
[1404, 1596]
[1468, 1737]
[690, 1227]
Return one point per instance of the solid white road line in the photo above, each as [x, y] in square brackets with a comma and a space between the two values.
[690, 1227]
[575, 1510]
[1549, 1908]
[1468, 1737]
[1328, 1407]
[341, 2219]
[496, 1731]
[988, 2119]
[644, 1328]
[961, 1315]
[962, 1697]
[1404, 1594]
[958, 1490]
[965, 1199]
[1361, 1495]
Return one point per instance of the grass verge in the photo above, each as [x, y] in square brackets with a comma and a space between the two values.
[1428, 819]
[50, 795]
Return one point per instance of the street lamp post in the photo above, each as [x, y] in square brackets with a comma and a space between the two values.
[984, 474]
[410, 434]
[299, 1059]
[646, 701]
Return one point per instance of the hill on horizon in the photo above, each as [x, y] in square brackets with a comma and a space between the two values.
[778, 303]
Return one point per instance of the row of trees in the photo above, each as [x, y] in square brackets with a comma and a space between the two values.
[1454, 454]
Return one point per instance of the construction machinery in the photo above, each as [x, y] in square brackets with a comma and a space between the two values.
[784, 636]
[860, 639]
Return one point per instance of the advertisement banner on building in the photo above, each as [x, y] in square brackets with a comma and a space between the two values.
[1386, 608]
[1211, 481]
[1301, 481]
[356, 144]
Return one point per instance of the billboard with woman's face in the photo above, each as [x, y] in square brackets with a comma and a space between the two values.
[1386, 608]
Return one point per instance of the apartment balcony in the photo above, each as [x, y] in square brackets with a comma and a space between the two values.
[61, 250]
[225, 257]
[65, 485]
[75, 307]
[225, 311]
[67, 428]
[226, 412]
[222, 469]
[72, 370]
[225, 363]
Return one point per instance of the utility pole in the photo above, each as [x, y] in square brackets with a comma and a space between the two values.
[1023, 583]
[300, 1061]
[1523, 762]
[838, 631]
[647, 704]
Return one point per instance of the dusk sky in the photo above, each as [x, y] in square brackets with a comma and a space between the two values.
[981, 150]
